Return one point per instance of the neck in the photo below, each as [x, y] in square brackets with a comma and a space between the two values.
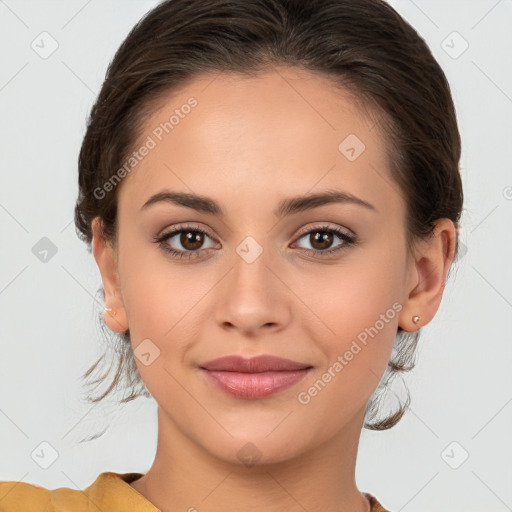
[186, 477]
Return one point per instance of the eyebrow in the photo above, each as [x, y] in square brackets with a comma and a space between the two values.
[286, 207]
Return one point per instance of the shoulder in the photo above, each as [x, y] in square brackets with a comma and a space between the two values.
[27, 497]
[108, 488]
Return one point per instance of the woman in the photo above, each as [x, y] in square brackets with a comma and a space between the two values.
[272, 195]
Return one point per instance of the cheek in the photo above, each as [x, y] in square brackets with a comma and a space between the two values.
[159, 305]
[160, 308]
[152, 289]
[355, 293]
[358, 306]
[361, 311]
[361, 302]
[164, 303]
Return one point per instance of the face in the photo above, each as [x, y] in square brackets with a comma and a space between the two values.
[322, 283]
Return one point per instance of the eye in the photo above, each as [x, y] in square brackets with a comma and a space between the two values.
[321, 238]
[191, 238]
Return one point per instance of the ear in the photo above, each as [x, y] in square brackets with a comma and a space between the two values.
[427, 274]
[106, 259]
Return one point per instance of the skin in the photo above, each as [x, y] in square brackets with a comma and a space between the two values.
[249, 143]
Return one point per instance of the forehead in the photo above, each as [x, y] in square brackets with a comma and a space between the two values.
[284, 131]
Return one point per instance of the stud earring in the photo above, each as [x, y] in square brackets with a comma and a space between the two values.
[111, 311]
[415, 319]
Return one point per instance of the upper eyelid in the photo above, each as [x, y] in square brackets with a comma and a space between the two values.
[325, 227]
[175, 230]
[178, 229]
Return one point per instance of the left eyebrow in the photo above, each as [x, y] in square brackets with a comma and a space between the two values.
[308, 202]
[286, 207]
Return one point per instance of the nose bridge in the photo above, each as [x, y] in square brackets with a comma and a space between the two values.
[252, 267]
[253, 295]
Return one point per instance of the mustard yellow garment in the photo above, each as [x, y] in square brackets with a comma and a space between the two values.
[110, 492]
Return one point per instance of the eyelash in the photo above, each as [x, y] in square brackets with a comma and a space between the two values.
[348, 240]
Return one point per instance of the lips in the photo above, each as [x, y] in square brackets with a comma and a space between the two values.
[253, 378]
[259, 364]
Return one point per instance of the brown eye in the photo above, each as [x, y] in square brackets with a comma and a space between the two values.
[322, 238]
[191, 240]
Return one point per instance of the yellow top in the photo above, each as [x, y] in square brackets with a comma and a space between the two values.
[110, 492]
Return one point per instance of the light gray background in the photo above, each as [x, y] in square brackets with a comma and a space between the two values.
[461, 388]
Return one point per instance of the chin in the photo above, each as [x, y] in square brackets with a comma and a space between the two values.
[257, 451]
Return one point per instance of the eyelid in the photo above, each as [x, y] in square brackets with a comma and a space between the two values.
[347, 237]
[181, 227]
[303, 231]
[347, 240]
[167, 234]
[324, 225]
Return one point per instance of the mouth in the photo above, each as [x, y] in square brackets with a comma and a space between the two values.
[255, 377]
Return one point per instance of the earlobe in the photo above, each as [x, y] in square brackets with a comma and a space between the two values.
[114, 321]
[105, 256]
[425, 287]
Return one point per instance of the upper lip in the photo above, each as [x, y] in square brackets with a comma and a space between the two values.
[264, 363]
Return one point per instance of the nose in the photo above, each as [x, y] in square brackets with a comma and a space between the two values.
[253, 298]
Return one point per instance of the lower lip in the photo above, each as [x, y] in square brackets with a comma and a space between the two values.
[254, 385]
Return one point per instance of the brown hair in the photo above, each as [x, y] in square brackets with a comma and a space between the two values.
[363, 46]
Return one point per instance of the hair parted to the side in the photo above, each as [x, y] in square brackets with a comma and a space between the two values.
[363, 46]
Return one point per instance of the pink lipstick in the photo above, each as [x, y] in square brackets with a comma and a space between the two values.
[255, 377]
